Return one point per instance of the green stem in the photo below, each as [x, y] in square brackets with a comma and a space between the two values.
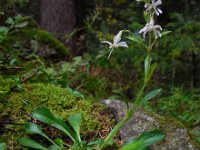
[110, 53]
[136, 105]
[128, 115]
[51, 141]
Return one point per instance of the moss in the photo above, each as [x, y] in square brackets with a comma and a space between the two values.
[19, 106]
[45, 37]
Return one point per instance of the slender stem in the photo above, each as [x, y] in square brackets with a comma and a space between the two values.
[51, 141]
[110, 53]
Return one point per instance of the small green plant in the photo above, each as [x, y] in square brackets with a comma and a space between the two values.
[72, 130]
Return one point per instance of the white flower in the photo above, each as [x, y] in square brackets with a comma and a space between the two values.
[151, 27]
[116, 42]
[153, 6]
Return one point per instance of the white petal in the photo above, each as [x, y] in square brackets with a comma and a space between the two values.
[156, 11]
[159, 2]
[117, 38]
[122, 44]
[107, 42]
[157, 34]
[146, 5]
[160, 11]
[152, 1]
[144, 34]
[158, 27]
[142, 30]
[149, 8]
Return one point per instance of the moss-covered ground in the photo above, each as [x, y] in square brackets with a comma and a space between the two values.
[16, 109]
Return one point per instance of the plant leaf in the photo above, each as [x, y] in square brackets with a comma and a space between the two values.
[165, 33]
[144, 140]
[44, 115]
[2, 146]
[137, 40]
[147, 64]
[33, 128]
[31, 144]
[135, 145]
[96, 142]
[151, 71]
[10, 21]
[21, 25]
[4, 30]
[53, 147]
[151, 95]
[151, 137]
[75, 121]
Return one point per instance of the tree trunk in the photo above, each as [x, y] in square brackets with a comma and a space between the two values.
[59, 18]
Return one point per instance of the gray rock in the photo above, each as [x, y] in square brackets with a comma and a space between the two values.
[177, 136]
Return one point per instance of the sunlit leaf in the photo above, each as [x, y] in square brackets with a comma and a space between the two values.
[44, 115]
[31, 144]
[136, 145]
[151, 95]
[33, 128]
[75, 121]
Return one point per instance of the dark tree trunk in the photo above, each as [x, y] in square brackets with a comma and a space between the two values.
[60, 18]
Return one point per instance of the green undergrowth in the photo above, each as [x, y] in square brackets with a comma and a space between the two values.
[15, 110]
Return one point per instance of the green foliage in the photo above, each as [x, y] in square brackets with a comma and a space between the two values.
[181, 104]
[72, 130]
[144, 140]
[30, 143]
[75, 76]
[44, 115]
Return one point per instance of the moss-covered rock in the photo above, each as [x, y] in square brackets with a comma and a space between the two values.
[17, 108]
[46, 38]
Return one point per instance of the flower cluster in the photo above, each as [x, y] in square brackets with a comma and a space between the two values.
[151, 9]
[150, 26]
[154, 6]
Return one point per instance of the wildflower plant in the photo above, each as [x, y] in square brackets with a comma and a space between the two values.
[72, 129]
[154, 32]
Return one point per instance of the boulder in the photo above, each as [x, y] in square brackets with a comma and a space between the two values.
[177, 135]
